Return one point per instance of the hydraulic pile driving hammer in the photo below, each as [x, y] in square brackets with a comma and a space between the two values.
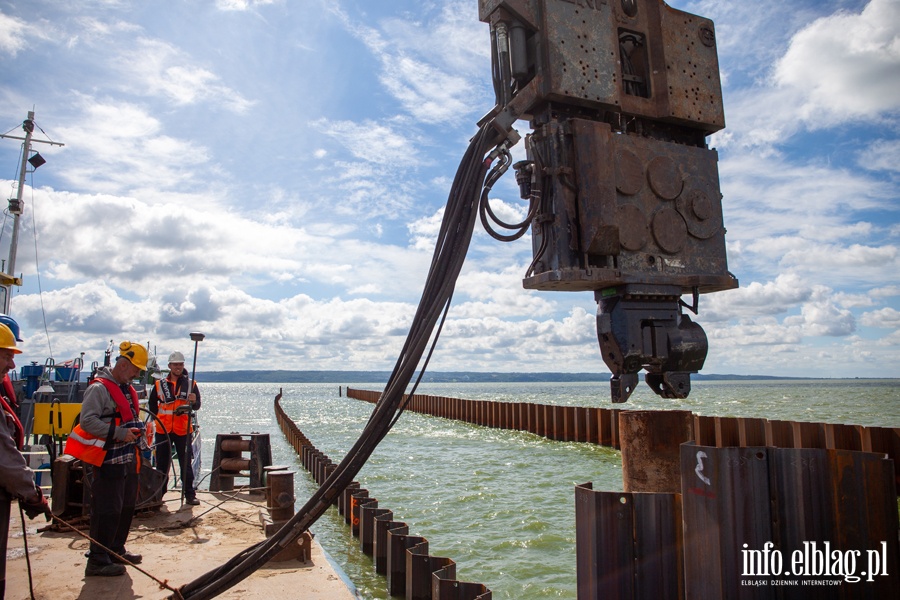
[620, 96]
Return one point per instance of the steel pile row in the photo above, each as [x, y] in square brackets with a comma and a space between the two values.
[401, 557]
[601, 425]
[735, 503]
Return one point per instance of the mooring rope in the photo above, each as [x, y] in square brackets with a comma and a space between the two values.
[163, 583]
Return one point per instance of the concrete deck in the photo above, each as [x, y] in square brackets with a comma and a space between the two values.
[216, 530]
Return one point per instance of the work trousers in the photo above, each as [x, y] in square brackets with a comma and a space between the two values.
[5, 505]
[164, 459]
[114, 491]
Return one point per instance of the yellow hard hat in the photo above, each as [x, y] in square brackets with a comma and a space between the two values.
[8, 340]
[135, 353]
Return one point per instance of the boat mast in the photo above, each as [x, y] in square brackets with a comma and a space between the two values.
[7, 278]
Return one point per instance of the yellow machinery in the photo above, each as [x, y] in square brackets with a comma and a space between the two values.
[55, 418]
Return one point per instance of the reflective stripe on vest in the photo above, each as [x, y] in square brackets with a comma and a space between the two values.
[82, 445]
[91, 448]
[180, 424]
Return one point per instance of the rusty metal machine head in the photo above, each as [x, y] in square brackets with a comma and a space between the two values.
[623, 190]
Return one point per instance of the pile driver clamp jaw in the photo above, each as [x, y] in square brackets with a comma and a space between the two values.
[624, 192]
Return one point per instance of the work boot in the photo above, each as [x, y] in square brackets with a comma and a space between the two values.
[98, 569]
[131, 557]
[192, 501]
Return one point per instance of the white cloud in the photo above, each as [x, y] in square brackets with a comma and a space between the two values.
[754, 299]
[888, 291]
[242, 5]
[785, 196]
[425, 230]
[12, 34]
[490, 343]
[822, 317]
[810, 70]
[887, 318]
[432, 81]
[847, 300]
[372, 142]
[881, 155]
[762, 331]
[784, 216]
[132, 153]
[155, 67]
[95, 30]
[845, 66]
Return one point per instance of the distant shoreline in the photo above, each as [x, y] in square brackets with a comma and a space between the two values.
[346, 377]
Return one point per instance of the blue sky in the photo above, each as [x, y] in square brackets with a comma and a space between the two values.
[272, 173]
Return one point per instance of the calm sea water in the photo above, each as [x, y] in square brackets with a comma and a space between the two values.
[499, 503]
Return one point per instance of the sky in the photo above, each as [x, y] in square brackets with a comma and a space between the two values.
[272, 173]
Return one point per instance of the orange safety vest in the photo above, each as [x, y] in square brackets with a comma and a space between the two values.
[169, 403]
[91, 448]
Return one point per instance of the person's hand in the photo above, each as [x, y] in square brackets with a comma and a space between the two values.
[36, 505]
[133, 434]
[182, 410]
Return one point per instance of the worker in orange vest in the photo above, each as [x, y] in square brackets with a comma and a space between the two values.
[16, 479]
[169, 400]
[108, 439]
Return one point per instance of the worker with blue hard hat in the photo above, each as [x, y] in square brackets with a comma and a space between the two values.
[6, 382]
[16, 479]
[13, 326]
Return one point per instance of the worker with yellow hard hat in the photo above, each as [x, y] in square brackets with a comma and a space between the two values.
[107, 438]
[9, 335]
[16, 479]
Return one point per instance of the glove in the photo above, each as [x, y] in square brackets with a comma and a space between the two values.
[182, 410]
[37, 505]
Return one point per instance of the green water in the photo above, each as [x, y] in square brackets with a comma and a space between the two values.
[499, 503]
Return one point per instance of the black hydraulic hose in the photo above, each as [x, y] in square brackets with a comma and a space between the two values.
[449, 254]
[495, 73]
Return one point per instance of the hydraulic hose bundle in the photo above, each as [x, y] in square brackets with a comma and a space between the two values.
[450, 251]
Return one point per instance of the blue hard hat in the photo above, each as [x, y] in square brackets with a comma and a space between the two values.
[13, 326]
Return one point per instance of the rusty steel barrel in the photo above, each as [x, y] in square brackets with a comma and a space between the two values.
[236, 445]
[266, 472]
[280, 495]
[235, 464]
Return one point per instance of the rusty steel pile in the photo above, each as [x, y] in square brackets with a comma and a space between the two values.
[418, 575]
